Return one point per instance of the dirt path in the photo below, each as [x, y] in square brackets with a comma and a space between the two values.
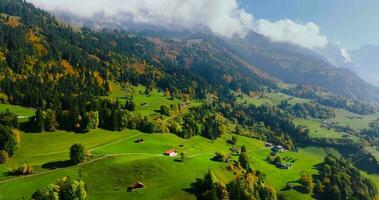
[104, 156]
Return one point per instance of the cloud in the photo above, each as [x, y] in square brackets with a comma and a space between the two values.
[223, 17]
[305, 35]
[346, 55]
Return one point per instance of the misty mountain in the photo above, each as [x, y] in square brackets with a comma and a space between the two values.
[289, 63]
[366, 62]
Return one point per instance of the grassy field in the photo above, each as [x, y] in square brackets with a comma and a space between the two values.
[145, 104]
[273, 98]
[22, 112]
[119, 161]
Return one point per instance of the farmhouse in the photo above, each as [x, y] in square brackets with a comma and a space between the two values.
[170, 152]
[136, 186]
[269, 145]
[278, 148]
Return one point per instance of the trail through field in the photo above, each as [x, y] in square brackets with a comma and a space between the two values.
[104, 156]
[115, 142]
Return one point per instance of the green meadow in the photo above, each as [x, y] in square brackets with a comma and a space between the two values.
[118, 161]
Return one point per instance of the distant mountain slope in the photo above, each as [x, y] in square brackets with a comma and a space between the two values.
[296, 65]
[366, 62]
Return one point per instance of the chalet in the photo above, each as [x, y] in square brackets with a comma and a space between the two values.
[170, 152]
[136, 186]
[139, 141]
[277, 148]
[284, 166]
[269, 145]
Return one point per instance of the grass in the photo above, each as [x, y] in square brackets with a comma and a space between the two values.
[164, 178]
[316, 130]
[354, 121]
[22, 112]
[145, 104]
[272, 98]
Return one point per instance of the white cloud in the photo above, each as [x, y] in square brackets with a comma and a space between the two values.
[346, 55]
[224, 17]
[305, 35]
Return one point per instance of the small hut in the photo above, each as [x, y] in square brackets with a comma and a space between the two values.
[170, 152]
[136, 186]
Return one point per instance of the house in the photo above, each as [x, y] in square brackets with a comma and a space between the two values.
[139, 141]
[145, 105]
[170, 152]
[136, 186]
[284, 166]
[269, 145]
[277, 148]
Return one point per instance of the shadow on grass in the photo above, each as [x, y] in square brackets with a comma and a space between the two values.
[195, 188]
[57, 164]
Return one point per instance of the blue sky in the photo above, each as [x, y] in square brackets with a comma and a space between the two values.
[350, 23]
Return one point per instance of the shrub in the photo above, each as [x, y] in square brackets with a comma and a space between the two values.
[77, 153]
[4, 157]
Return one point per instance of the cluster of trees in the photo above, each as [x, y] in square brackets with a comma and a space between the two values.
[64, 189]
[371, 134]
[338, 179]
[204, 121]
[268, 122]
[305, 110]
[248, 186]
[332, 100]
[8, 137]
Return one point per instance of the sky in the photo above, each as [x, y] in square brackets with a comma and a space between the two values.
[308, 23]
[349, 23]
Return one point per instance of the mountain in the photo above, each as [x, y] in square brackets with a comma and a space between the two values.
[289, 63]
[297, 65]
[366, 62]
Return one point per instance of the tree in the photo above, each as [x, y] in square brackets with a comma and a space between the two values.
[8, 141]
[71, 189]
[130, 105]
[64, 189]
[77, 153]
[165, 110]
[244, 160]
[306, 181]
[50, 121]
[4, 157]
[39, 120]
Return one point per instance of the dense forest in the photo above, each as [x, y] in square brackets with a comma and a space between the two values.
[338, 179]
[326, 98]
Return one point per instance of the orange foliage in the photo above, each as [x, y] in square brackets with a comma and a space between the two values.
[98, 78]
[68, 67]
[13, 22]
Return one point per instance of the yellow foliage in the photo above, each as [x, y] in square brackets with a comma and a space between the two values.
[68, 67]
[31, 36]
[13, 22]
[98, 78]
[16, 133]
[2, 56]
